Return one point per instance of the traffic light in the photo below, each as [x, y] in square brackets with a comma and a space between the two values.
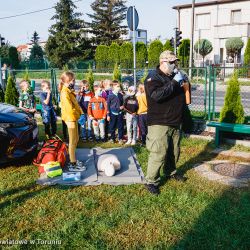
[172, 42]
[2, 41]
[178, 37]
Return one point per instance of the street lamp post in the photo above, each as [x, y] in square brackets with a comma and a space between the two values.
[192, 41]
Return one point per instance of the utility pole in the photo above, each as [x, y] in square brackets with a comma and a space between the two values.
[192, 41]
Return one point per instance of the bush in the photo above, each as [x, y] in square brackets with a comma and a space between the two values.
[90, 78]
[26, 76]
[183, 53]
[168, 46]
[141, 55]
[113, 55]
[101, 56]
[232, 111]
[154, 51]
[247, 54]
[117, 73]
[11, 93]
[126, 55]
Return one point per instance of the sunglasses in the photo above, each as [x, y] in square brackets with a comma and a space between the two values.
[173, 62]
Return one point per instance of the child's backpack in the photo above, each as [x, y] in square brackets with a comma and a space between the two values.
[53, 150]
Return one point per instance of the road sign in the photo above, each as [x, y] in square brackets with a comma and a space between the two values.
[130, 18]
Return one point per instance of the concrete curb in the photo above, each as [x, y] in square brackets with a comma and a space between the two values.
[232, 153]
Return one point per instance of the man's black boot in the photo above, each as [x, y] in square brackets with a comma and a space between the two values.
[153, 189]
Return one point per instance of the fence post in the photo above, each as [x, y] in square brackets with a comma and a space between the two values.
[214, 91]
[205, 93]
[209, 92]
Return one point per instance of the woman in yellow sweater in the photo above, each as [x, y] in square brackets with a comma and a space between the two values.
[142, 113]
[70, 111]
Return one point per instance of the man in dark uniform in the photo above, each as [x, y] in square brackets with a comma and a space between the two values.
[166, 102]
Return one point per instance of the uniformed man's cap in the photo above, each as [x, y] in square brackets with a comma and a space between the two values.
[168, 56]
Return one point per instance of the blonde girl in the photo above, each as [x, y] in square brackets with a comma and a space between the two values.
[71, 112]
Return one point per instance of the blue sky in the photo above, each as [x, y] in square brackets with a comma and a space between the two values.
[157, 16]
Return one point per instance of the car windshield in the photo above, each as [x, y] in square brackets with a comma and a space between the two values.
[5, 108]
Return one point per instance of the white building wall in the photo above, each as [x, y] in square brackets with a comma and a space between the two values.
[220, 26]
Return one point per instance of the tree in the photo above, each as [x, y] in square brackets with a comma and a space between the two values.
[117, 73]
[107, 21]
[13, 57]
[113, 54]
[126, 55]
[234, 46]
[36, 56]
[11, 93]
[232, 111]
[101, 56]
[203, 47]
[183, 53]
[168, 46]
[154, 51]
[141, 55]
[35, 38]
[66, 41]
[4, 53]
[247, 54]
[90, 78]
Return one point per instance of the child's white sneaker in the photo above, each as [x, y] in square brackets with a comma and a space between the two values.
[128, 142]
[133, 142]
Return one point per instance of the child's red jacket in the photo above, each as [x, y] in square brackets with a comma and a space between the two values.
[97, 108]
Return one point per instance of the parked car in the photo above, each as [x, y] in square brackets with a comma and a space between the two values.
[18, 133]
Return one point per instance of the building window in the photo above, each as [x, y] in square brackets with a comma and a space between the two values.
[139, 33]
[236, 16]
[203, 21]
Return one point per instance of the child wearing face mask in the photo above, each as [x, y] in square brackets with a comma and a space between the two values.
[48, 112]
[115, 113]
[71, 112]
[83, 98]
[131, 107]
[27, 99]
[97, 111]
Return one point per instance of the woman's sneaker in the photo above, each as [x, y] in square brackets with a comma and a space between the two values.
[75, 167]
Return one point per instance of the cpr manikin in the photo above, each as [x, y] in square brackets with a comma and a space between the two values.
[108, 164]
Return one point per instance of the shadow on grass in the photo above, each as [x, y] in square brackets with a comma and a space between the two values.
[223, 225]
[23, 197]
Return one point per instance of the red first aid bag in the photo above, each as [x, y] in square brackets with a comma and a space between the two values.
[52, 150]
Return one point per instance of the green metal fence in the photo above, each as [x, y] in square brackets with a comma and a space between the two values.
[209, 85]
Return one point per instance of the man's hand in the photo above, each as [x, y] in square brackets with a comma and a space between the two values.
[108, 118]
[179, 78]
[48, 91]
[121, 107]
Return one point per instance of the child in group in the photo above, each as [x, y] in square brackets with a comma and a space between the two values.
[97, 111]
[71, 112]
[142, 113]
[84, 97]
[131, 107]
[48, 112]
[27, 99]
[115, 113]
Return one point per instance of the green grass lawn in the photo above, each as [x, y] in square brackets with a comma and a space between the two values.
[198, 214]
